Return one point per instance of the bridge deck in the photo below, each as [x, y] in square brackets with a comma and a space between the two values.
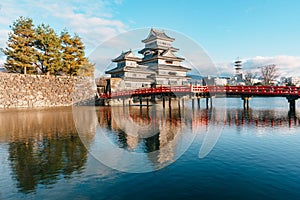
[258, 91]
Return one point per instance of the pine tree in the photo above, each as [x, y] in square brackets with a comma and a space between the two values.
[86, 69]
[48, 50]
[20, 51]
[74, 61]
[41, 50]
[68, 54]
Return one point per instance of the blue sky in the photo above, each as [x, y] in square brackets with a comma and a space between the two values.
[259, 31]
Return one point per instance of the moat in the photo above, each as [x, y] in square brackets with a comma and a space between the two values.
[243, 154]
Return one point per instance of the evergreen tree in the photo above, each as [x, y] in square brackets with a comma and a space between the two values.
[41, 50]
[20, 51]
[74, 61]
[69, 54]
[87, 68]
[48, 50]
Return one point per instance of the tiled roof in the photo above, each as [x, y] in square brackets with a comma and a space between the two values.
[140, 70]
[128, 55]
[155, 56]
[138, 79]
[128, 68]
[155, 33]
[173, 67]
[173, 77]
[114, 70]
[168, 53]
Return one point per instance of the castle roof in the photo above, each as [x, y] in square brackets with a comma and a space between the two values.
[157, 34]
[128, 55]
[166, 54]
[171, 68]
[138, 69]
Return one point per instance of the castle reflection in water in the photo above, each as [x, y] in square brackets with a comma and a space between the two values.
[43, 145]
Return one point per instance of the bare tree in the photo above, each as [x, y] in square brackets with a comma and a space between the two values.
[269, 73]
[249, 77]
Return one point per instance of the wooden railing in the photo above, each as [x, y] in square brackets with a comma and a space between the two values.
[228, 90]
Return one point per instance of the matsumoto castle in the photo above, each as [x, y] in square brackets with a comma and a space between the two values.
[158, 67]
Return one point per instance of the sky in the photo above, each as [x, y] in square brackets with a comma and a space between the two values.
[259, 32]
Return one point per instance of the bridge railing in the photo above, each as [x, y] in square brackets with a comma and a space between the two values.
[264, 90]
[146, 91]
[229, 90]
[256, 90]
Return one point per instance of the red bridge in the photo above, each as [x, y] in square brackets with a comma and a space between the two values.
[259, 91]
[292, 93]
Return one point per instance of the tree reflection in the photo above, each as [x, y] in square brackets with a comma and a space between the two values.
[42, 162]
[43, 146]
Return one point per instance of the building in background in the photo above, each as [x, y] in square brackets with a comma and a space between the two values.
[238, 77]
[159, 65]
[217, 81]
[295, 81]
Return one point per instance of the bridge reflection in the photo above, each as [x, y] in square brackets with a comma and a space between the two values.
[43, 145]
[111, 118]
[241, 117]
[142, 129]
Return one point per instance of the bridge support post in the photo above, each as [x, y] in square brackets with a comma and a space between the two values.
[141, 100]
[193, 103]
[170, 101]
[179, 103]
[153, 98]
[292, 102]
[246, 101]
[182, 102]
[163, 101]
[198, 101]
[147, 102]
[206, 102]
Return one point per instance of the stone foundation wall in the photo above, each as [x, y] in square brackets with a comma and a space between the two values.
[19, 90]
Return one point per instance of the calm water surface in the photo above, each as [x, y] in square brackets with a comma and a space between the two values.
[234, 154]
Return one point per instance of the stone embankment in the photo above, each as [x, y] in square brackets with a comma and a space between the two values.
[19, 90]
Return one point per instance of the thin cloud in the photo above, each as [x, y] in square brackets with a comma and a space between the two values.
[93, 21]
[287, 65]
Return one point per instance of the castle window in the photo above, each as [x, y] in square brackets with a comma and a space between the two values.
[147, 52]
[169, 61]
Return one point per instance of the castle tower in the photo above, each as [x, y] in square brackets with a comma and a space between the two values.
[158, 67]
[132, 74]
[159, 56]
